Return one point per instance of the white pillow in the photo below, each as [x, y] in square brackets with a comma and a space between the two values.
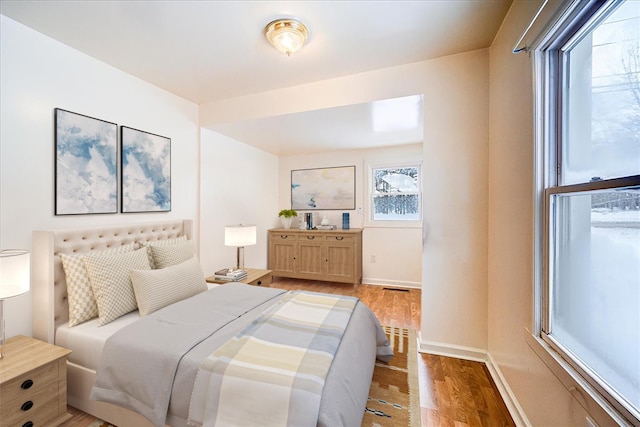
[82, 303]
[155, 289]
[165, 242]
[168, 255]
[111, 283]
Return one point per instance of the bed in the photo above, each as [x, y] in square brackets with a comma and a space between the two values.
[346, 386]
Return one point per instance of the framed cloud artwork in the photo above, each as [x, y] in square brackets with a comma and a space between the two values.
[146, 171]
[86, 167]
[331, 188]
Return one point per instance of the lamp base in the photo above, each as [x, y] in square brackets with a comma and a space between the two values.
[240, 258]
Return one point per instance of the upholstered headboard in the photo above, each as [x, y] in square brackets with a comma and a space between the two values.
[49, 289]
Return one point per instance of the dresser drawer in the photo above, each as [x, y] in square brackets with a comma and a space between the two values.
[310, 237]
[341, 238]
[285, 237]
[29, 383]
[40, 414]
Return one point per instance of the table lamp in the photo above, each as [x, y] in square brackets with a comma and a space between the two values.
[14, 281]
[240, 236]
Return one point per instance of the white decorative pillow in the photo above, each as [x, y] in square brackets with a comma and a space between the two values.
[155, 289]
[165, 242]
[111, 283]
[166, 256]
[82, 303]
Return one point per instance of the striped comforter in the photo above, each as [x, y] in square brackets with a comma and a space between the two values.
[273, 372]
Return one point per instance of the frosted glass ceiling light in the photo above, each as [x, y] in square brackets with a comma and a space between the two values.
[286, 35]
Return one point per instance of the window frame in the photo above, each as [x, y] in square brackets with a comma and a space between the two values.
[369, 221]
[549, 71]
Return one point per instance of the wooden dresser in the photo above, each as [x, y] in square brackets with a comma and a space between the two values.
[328, 255]
[33, 383]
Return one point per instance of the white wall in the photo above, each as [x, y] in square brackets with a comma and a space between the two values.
[38, 74]
[456, 103]
[454, 295]
[239, 186]
[397, 251]
[541, 397]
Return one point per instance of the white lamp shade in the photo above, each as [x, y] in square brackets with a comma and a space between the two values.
[14, 273]
[240, 235]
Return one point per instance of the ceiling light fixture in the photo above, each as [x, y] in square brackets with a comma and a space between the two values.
[286, 35]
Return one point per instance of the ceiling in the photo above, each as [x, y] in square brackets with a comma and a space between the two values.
[205, 51]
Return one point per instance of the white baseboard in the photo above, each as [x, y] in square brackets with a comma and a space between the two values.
[450, 350]
[479, 355]
[392, 283]
[516, 411]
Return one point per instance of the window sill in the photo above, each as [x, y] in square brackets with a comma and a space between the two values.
[600, 410]
[392, 224]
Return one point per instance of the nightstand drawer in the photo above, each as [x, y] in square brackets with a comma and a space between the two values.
[262, 281]
[41, 413]
[29, 383]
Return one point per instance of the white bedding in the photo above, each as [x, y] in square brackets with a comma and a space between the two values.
[87, 339]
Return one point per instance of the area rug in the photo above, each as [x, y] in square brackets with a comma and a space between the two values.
[393, 396]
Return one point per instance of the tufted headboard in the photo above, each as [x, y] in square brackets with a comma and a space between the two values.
[48, 285]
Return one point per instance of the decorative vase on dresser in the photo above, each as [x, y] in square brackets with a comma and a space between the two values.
[286, 222]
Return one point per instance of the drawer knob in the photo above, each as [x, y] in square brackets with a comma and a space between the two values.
[311, 237]
[339, 237]
[27, 405]
[283, 236]
[28, 424]
[26, 385]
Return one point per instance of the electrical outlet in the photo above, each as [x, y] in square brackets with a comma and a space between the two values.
[373, 259]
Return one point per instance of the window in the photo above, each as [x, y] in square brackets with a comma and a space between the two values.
[395, 194]
[590, 301]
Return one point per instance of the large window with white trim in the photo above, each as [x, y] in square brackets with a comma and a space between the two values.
[589, 81]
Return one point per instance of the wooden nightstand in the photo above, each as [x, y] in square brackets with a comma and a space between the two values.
[33, 383]
[255, 276]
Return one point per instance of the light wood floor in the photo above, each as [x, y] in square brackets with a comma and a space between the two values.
[453, 392]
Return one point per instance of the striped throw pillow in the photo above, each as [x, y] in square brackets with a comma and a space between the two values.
[155, 289]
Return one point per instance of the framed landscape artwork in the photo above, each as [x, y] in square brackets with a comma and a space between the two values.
[146, 171]
[331, 188]
[86, 167]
